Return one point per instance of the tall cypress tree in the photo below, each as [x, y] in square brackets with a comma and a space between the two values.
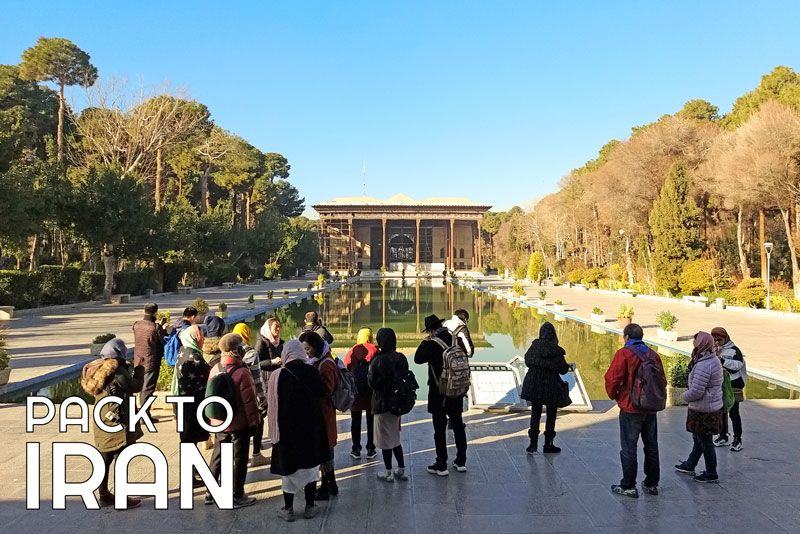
[675, 226]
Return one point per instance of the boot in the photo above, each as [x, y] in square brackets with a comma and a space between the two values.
[534, 435]
[322, 491]
[549, 448]
[333, 488]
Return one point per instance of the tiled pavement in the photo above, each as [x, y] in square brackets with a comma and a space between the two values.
[504, 490]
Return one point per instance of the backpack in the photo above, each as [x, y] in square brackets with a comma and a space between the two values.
[403, 393]
[648, 391]
[344, 394]
[360, 372]
[221, 385]
[728, 397]
[455, 378]
[172, 346]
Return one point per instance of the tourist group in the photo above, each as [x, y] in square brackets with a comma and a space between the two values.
[293, 389]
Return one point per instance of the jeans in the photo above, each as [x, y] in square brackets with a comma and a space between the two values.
[736, 421]
[631, 427]
[355, 430]
[550, 421]
[241, 446]
[703, 446]
[258, 436]
[440, 418]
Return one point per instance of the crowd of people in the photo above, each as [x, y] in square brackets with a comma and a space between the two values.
[293, 389]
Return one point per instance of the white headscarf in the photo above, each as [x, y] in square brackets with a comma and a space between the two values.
[266, 332]
[292, 350]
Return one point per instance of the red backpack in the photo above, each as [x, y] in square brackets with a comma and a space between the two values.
[649, 388]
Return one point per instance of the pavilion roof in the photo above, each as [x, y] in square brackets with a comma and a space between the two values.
[401, 200]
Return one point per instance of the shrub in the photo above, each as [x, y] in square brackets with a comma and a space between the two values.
[19, 289]
[616, 271]
[201, 305]
[91, 284]
[251, 299]
[542, 294]
[697, 277]
[59, 285]
[269, 294]
[102, 339]
[666, 320]
[597, 311]
[517, 289]
[575, 275]
[5, 357]
[134, 282]
[750, 292]
[245, 271]
[625, 311]
[558, 280]
[163, 315]
[165, 376]
[222, 307]
[559, 303]
[591, 276]
[679, 374]
[779, 303]
[216, 274]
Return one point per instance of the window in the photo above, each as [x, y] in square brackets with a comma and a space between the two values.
[461, 253]
[441, 252]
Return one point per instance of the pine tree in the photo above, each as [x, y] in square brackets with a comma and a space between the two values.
[675, 226]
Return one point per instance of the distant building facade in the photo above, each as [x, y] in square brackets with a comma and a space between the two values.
[401, 233]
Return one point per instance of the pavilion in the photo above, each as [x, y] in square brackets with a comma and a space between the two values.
[420, 235]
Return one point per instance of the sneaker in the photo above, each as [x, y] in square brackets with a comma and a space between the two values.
[311, 511]
[461, 468]
[684, 468]
[243, 501]
[650, 490]
[258, 460]
[438, 469]
[198, 483]
[287, 514]
[371, 453]
[736, 446]
[721, 441]
[400, 474]
[386, 476]
[355, 454]
[105, 499]
[619, 490]
[706, 477]
[208, 499]
[531, 449]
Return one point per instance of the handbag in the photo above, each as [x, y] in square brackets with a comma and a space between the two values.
[566, 400]
[728, 397]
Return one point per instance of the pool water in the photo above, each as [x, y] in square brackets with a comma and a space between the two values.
[500, 330]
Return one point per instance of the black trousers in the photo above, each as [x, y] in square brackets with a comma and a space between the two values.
[355, 430]
[550, 421]
[736, 421]
[241, 449]
[258, 436]
[440, 417]
[108, 457]
[150, 381]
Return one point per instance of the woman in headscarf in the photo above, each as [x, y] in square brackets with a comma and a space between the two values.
[544, 387]
[733, 363]
[357, 361]
[192, 371]
[386, 367]
[706, 411]
[260, 380]
[296, 429]
[112, 375]
[214, 330]
[269, 344]
[320, 357]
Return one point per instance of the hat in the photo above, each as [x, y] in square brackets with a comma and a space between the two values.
[230, 342]
[114, 348]
[432, 323]
[215, 326]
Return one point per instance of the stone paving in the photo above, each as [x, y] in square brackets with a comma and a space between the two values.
[504, 490]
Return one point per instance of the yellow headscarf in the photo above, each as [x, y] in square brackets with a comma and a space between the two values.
[364, 336]
[244, 331]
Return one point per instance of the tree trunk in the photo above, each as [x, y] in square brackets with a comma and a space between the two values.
[787, 222]
[159, 171]
[247, 217]
[60, 132]
[743, 266]
[762, 238]
[110, 265]
[32, 261]
[629, 260]
[204, 200]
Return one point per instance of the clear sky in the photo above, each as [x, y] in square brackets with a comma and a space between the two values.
[494, 101]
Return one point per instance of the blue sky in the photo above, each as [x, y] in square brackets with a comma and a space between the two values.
[494, 101]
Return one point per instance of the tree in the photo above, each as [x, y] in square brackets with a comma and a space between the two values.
[699, 110]
[674, 223]
[59, 61]
[300, 247]
[536, 268]
[782, 84]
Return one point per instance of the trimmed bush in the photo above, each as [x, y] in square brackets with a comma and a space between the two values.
[20, 289]
[779, 303]
[219, 273]
[591, 276]
[575, 275]
[750, 293]
[666, 320]
[271, 270]
[678, 374]
[90, 284]
[134, 282]
[59, 285]
[697, 277]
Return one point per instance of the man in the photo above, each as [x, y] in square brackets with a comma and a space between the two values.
[148, 350]
[733, 363]
[441, 407]
[632, 422]
[457, 325]
[189, 317]
[245, 417]
[314, 324]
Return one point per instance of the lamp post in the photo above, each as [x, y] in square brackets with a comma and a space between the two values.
[768, 248]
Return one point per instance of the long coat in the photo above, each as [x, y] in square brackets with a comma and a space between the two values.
[363, 352]
[192, 371]
[113, 376]
[543, 383]
[382, 372]
[303, 442]
[330, 376]
[148, 346]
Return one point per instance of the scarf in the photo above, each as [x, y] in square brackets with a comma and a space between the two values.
[192, 337]
[292, 350]
[244, 332]
[637, 346]
[703, 345]
[364, 336]
[266, 332]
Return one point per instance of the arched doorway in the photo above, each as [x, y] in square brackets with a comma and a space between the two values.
[401, 248]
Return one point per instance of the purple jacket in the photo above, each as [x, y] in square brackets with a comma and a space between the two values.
[705, 385]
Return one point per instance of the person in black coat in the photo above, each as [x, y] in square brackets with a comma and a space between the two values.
[543, 385]
[441, 407]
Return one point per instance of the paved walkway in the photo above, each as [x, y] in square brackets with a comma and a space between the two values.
[770, 343]
[504, 490]
[41, 344]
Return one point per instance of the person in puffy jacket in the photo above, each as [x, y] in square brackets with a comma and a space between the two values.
[706, 411]
[357, 361]
[191, 371]
[543, 385]
[245, 417]
[733, 363]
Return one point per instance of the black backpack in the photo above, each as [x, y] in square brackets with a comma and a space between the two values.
[360, 372]
[221, 385]
[403, 393]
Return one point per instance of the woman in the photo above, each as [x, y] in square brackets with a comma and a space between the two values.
[319, 355]
[214, 329]
[192, 371]
[113, 375]
[733, 363]
[269, 344]
[260, 381]
[383, 371]
[706, 412]
[357, 361]
[299, 439]
[543, 386]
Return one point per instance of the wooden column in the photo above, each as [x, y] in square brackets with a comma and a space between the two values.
[351, 251]
[480, 242]
[383, 243]
[322, 241]
[452, 245]
[416, 246]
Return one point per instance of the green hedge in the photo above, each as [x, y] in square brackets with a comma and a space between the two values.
[134, 282]
[59, 285]
[91, 284]
[223, 272]
[20, 289]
